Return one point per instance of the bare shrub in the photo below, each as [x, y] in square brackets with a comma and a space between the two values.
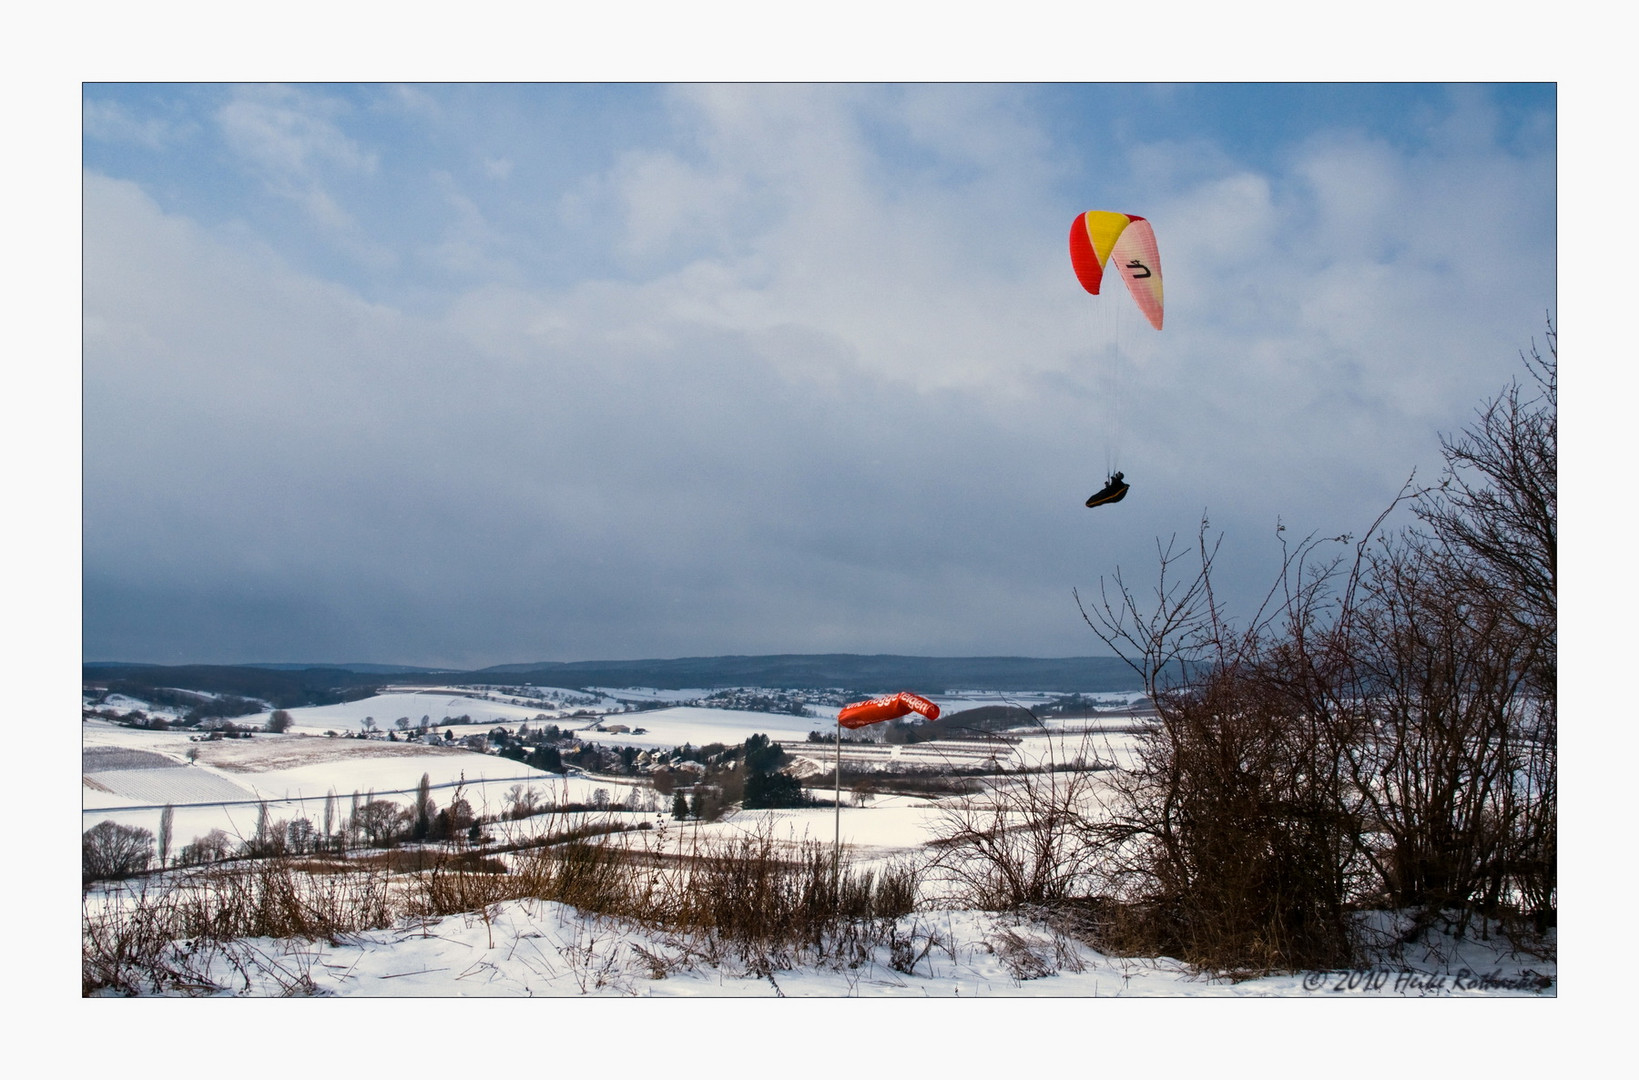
[111, 850]
[895, 892]
[1023, 958]
[214, 846]
[127, 951]
[759, 901]
[753, 897]
[1382, 732]
[461, 882]
[1490, 550]
[161, 938]
[1453, 754]
[1023, 840]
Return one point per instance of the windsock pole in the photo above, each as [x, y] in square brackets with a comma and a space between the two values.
[836, 845]
[860, 714]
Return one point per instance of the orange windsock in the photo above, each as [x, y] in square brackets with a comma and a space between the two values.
[891, 707]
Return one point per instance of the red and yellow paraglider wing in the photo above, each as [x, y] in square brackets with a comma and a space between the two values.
[1099, 238]
[1139, 261]
[1093, 237]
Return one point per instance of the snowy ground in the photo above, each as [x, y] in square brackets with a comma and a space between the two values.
[696, 726]
[544, 949]
[537, 948]
[292, 773]
[441, 707]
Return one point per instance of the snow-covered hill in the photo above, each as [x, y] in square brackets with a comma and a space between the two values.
[524, 948]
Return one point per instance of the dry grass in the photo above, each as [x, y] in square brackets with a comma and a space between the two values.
[160, 935]
[761, 902]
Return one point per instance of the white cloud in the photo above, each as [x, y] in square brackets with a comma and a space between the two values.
[843, 363]
[287, 135]
[470, 246]
[793, 219]
[109, 121]
[288, 140]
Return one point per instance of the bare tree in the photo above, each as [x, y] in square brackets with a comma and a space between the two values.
[521, 801]
[212, 847]
[165, 818]
[382, 821]
[269, 837]
[300, 836]
[1495, 515]
[1438, 679]
[111, 850]
[424, 809]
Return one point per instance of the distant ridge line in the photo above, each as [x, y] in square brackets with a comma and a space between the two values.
[804, 671]
[871, 673]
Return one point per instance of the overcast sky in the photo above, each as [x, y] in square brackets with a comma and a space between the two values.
[467, 375]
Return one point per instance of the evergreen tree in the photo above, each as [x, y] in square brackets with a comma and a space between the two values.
[773, 790]
[763, 755]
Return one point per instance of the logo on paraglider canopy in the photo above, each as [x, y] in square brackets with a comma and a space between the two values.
[1134, 264]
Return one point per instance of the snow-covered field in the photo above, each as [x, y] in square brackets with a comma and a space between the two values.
[293, 773]
[439, 706]
[666, 728]
[442, 706]
[534, 948]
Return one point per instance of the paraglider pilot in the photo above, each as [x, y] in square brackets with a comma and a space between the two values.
[1113, 492]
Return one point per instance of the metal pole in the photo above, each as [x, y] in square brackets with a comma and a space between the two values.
[836, 847]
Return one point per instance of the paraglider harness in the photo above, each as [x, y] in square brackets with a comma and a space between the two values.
[1113, 492]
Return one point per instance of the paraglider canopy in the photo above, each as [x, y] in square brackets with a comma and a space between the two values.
[1099, 237]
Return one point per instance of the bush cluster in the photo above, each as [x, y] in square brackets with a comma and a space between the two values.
[1384, 734]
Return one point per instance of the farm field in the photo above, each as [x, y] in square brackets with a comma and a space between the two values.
[293, 773]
